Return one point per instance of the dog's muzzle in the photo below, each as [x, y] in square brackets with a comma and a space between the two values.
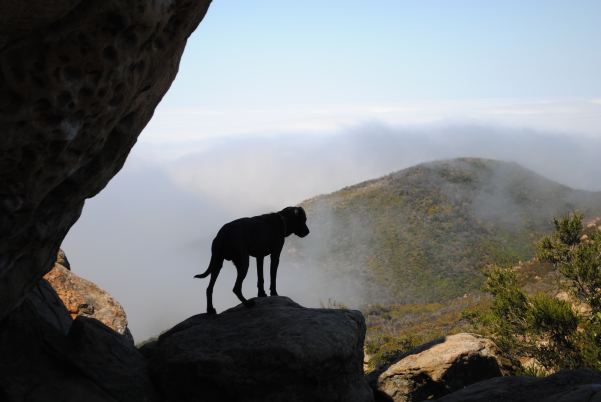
[304, 231]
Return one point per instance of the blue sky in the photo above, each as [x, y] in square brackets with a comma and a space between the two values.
[279, 101]
[258, 53]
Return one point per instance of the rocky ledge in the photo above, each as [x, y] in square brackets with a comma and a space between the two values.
[276, 351]
[82, 297]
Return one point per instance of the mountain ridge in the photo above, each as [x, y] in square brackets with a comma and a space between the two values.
[423, 233]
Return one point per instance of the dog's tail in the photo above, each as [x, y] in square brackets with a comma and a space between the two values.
[205, 274]
[212, 265]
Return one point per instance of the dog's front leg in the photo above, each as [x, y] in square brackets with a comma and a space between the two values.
[273, 273]
[260, 281]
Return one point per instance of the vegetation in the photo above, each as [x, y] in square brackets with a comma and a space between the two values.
[151, 339]
[557, 332]
[423, 234]
[333, 304]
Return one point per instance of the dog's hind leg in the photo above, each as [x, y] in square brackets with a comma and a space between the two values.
[241, 264]
[215, 268]
[260, 281]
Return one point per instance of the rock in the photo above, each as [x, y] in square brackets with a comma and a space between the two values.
[46, 356]
[578, 385]
[83, 298]
[61, 259]
[149, 348]
[275, 351]
[79, 80]
[440, 367]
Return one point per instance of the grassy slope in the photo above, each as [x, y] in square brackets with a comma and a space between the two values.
[423, 233]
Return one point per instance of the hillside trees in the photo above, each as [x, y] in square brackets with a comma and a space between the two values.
[556, 333]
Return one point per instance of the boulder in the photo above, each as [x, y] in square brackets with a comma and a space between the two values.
[79, 80]
[46, 356]
[275, 351]
[578, 385]
[84, 298]
[439, 368]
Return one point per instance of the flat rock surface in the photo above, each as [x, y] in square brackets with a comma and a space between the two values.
[578, 385]
[275, 351]
[440, 367]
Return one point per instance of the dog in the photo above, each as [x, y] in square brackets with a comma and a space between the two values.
[257, 237]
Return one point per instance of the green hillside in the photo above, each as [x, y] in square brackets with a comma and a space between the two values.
[423, 233]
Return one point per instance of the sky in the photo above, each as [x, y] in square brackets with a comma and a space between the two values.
[278, 101]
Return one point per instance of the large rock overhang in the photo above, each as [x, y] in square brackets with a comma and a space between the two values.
[79, 80]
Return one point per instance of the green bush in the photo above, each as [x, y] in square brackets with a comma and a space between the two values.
[556, 333]
[385, 348]
[333, 304]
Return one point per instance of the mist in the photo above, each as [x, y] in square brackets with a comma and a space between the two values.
[149, 232]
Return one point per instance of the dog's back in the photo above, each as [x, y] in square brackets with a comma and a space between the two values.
[255, 235]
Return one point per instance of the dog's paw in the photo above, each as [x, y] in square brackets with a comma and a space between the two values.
[262, 294]
[273, 293]
[211, 311]
[249, 303]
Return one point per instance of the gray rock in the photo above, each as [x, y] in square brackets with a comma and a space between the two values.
[276, 351]
[149, 348]
[439, 368]
[79, 81]
[578, 385]
[61, 259]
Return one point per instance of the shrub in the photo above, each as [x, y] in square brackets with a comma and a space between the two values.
[333, 304]
[556, 333]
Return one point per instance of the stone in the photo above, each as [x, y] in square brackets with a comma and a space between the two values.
[46, 356]
[79, 80]
[275, 351]
[61, 259]
[149, 348]
[84, 298]
[577, 385]
[439, 368]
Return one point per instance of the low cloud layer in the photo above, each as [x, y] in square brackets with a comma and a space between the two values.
[149, 232]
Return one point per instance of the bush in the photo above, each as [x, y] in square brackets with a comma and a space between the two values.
[333, 304]
[385, 349]
[556, 333]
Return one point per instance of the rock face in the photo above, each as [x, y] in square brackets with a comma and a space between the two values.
[276, 351]
[564, 386]
[46, 356]
[440, 367]
[79, 80]
[83, 298]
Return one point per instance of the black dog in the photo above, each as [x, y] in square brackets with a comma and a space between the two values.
[257, 237]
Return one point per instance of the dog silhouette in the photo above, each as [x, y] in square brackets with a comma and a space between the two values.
[257, 237]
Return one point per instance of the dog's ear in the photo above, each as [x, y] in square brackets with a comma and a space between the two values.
[296, 212]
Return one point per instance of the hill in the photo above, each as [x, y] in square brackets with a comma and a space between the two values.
[422, 234]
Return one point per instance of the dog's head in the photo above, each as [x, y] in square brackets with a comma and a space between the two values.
[296, 219]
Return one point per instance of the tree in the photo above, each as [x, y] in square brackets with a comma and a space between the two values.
[556, 333]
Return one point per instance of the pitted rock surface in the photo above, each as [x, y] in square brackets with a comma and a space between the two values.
[79, 80]
[440, 367]
[82, 297]
[578, 385]
[275, 351]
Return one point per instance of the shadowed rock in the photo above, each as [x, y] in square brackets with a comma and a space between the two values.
[46, 356]
[439, 368]
[276, 351]
[578, 385]
[79, 80]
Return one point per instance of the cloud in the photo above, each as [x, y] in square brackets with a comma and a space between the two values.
[149, 232]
